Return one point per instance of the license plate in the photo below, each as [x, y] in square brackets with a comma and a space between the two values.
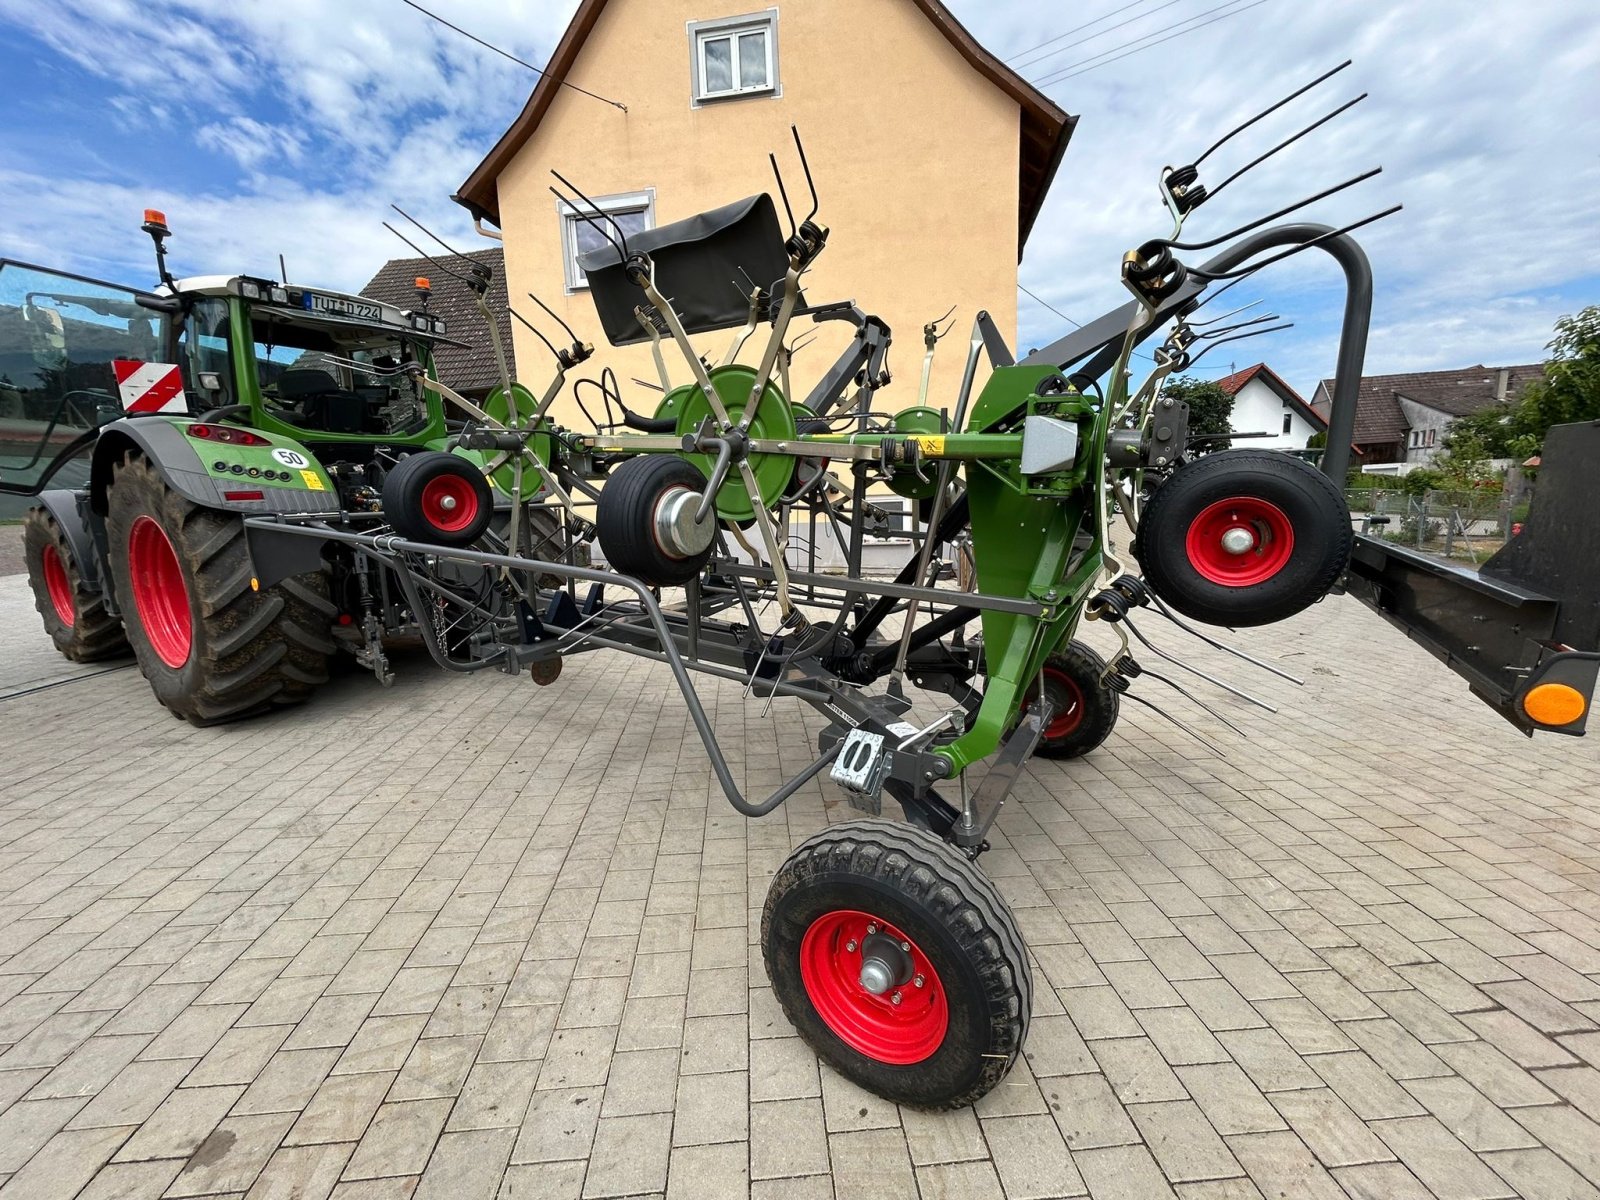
[339, 306]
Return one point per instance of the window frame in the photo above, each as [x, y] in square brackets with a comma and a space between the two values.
[617, 203]
[701, 32]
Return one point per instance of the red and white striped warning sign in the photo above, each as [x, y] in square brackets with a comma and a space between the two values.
[149, 387]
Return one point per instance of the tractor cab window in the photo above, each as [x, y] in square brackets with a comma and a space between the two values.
[339, 380]
[67, 347]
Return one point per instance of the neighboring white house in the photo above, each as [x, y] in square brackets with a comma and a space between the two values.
[1264, 403]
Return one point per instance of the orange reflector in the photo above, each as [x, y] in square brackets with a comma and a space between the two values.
[422, 283]
[1554, 704]
[154, 216]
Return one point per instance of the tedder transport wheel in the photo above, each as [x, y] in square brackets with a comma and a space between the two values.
[213, 645]
[645, 520]
[1245, 537]
[898, 962]
[1085, 704]
[438, 498]
[75, 619]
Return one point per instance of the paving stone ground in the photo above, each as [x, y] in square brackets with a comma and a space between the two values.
[473, 938]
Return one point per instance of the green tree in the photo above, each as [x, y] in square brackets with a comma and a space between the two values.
[1209, 410]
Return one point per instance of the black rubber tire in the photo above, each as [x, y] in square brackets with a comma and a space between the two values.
[404, 487]
[625, 519]
[251, 649]
[93, 634]
[1086, 670]
[954, 913]
[1317, 516]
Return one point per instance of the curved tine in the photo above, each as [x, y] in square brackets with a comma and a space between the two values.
[1192, 698]
[1227, 687]
[783, 191]
[806, 167]
[435, 236]
[1200, 273]
[1266, 112]
[1165, 715]
[1239, 337]
[597, 211]
[1218, 292]
[1223, 646]
[431, 260]
[1286, 143]
[553, 315]
[534, 329]
[1282, 212]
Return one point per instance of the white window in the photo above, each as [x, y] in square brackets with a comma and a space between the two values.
[735, 56]
[629, 212]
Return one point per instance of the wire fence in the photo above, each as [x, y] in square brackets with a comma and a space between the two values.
[1467, 525]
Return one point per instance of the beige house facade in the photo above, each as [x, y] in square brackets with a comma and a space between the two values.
[931, 159]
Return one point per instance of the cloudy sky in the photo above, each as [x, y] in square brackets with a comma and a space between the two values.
[267, 126]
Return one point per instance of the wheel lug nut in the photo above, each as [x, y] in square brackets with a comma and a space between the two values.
[851, 945]
[906, 946]
[872, 929]
[895, 999]
[917, 981]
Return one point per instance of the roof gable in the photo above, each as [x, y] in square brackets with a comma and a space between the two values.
[1457, 393]
[467, 369]
[1234, 383]
[1045, 127]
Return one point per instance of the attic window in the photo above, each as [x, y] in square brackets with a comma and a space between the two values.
[631, 212]
[735, 56]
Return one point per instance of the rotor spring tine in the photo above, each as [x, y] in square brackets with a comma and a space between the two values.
[1161, 712]
[1177, 662]
[1192, 698]
[1223, 646]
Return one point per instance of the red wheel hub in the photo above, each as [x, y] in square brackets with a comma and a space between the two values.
[449, 504]
[59, 587]
[1066, 697]
[874, 987]
[1241, 541]
[159, 593]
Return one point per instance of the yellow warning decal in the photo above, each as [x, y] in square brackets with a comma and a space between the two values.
[313, 481]
[930, 445]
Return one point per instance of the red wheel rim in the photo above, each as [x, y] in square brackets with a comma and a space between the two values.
[159, 593]
[1067, 699]
[449, 504]
[831, 955]
[1240, 541]
[59, 587]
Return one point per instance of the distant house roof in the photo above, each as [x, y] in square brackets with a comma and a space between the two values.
[1380, 420]
[1233, 383]
[470, 369]
[1046, 128]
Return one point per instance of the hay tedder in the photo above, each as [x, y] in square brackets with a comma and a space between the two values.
[894, 956]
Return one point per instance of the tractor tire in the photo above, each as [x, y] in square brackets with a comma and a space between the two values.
[213, 645]
[1085, 704]
[1244, 537]
[76, 619]
[635, 520]
[438, 498]
[861, 913]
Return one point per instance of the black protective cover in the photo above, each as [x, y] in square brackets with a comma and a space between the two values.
[704, 264]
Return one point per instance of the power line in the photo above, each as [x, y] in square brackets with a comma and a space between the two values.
[1133, 47]
[1063, 316]
[1075, 29]
[506, 54]
[1109, 28]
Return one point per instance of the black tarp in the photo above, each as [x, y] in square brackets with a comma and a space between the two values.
[705, 265]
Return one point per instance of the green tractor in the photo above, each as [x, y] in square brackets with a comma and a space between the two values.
[150, 425]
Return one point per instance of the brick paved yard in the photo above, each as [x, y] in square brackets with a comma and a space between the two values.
[473, 938]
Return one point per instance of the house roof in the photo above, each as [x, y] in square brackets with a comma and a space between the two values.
[1233, 383]
[467, 369]
[1381, 420]
[1046, 128]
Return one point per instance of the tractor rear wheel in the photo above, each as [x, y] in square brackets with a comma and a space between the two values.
[214, 645]
[75, 618]
[898, 962]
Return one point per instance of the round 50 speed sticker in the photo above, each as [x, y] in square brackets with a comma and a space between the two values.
[290, 458]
